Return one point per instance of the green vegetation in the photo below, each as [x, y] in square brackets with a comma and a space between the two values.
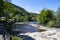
[10, 13]
[50, 24]
[45, 16]
[49, 18]
[33, 16]
[1, 8]
[16, 13]
[19, 14]
[16, 38]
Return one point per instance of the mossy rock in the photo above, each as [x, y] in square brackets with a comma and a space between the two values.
[16, 38]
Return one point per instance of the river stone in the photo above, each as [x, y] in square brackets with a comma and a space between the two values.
[51, 35]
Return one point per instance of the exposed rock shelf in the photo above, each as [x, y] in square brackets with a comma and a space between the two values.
[31, 31]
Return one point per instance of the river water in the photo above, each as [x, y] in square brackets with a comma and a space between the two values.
[29, 31]
[23, 28]
[26, 27]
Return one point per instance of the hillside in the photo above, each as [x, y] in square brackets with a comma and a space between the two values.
[16, 9]
[19, 13]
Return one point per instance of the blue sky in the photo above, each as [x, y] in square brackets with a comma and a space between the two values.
[37, 5]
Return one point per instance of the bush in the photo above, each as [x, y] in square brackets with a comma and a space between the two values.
[16, 38]
[50, 24]
[45, 16]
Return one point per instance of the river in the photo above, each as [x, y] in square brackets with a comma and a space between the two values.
[26, 29]
[29, 31]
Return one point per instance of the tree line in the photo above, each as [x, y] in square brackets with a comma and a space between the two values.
[49, 18]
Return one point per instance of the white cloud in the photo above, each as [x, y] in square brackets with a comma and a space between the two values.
[36, 12]
[28, 6]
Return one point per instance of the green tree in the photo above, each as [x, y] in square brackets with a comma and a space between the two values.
[45, 16]
[27, 18]
[33, 16]
[5, 12]
[1, 8]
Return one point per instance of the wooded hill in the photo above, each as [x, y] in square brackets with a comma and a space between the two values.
[18, 13]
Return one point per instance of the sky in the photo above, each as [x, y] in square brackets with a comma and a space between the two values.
[37, 5]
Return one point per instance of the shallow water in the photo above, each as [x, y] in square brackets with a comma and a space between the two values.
[28, 27]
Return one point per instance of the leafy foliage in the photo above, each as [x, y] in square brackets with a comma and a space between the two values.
[1, 8]
[17, 13]
[16, 38]
[45, 16]
[33, 16]
[50, 24]
[12, 13]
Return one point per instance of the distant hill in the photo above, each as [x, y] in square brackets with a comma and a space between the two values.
[16, 9]
[19, 12]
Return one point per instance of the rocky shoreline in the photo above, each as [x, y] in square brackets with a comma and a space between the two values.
[30, 30]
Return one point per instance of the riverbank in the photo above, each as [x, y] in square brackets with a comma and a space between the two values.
[29, 31]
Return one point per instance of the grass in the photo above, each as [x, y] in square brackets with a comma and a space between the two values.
[50, 24]
[16, 38]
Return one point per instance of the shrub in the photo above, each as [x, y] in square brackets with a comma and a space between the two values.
[45, 16]
[50, 24]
